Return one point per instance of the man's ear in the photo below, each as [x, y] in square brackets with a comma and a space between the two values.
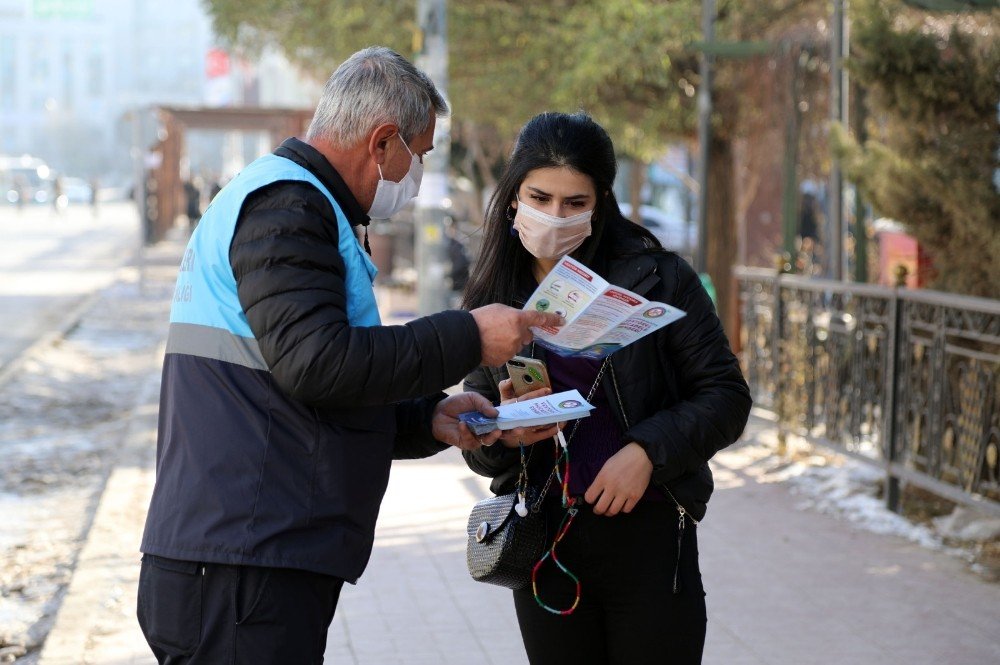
[378, 141]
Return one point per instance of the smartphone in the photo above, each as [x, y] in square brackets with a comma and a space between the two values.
[527, 374]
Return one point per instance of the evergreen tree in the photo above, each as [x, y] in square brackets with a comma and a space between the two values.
[932, 157]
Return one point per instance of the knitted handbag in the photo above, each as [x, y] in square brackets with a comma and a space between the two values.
[502, 545]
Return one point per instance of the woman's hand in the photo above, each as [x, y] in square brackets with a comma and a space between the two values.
[621, 482]
[525, 435]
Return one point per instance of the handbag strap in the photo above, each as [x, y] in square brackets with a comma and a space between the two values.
[563, 443]
[568, 504]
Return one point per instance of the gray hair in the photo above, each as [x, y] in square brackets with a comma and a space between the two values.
[375, 86]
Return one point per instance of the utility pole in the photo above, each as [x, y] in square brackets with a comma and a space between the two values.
[858, 119]
[138, 153]
[704, 129]
[835, 196]
[434, 201]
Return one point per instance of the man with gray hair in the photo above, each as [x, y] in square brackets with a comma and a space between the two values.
[283, 398]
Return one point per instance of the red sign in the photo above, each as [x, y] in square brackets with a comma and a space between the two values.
[216, 63]
[579, 272]
[625, 298]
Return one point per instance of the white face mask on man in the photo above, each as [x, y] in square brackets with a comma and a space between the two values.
[391, 197]
[546, 236]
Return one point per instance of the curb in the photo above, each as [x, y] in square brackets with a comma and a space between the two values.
[63, 328]
[97, 613]
[95, 619]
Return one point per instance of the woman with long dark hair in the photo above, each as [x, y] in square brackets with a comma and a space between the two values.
[624, 586]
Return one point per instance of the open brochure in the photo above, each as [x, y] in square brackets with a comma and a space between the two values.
[557, 408]
[600, 317]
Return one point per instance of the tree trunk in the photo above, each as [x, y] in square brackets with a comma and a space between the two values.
[637, 178]
[721, 232]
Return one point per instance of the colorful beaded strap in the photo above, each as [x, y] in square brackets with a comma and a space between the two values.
[568, 502]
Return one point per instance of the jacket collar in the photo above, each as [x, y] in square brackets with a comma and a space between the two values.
[312, 159]
[636, 272]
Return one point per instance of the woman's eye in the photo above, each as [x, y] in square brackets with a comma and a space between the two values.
[540, 199]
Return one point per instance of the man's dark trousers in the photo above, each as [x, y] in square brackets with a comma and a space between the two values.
[198, 613]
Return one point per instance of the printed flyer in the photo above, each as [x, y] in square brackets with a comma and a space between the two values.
[600, 317]
[557, 408]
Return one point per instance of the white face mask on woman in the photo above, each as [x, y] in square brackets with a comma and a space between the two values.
[390, 197]
[546, 236]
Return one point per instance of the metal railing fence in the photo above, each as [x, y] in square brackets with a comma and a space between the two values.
[908, 380]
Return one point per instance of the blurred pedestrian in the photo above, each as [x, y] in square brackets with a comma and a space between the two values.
[214, 190]
[192, 199]
[635, 475]
[58, 202]
[283, 398]
[21, 192]
[458, 259]
[95, 187]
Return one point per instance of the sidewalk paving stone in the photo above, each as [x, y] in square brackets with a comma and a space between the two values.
[784, 585]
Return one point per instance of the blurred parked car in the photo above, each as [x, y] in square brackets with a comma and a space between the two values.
[25, 179]
[76, 190]
[673, 233]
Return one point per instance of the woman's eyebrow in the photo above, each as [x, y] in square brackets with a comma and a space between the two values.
[544, 193]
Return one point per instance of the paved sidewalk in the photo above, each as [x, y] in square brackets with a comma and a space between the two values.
[784, 585]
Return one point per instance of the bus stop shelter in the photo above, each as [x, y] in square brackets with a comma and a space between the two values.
[163, 187]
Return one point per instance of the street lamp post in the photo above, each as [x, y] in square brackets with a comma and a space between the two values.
[433, 203]
[704, 130]
[836, 195]
[138, 190]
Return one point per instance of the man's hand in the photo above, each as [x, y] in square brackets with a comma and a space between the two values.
[621, 482]
[525, 435]
[447, 428]
[504, 330]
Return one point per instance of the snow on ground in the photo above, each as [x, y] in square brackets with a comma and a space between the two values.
[62, 417]
[850, 490]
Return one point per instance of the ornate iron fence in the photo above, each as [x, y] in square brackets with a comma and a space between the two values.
[908, 380]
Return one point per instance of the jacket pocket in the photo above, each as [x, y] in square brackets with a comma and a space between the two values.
[170, 594]
[368, 418]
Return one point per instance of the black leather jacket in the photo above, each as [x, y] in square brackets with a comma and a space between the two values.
[678, 392]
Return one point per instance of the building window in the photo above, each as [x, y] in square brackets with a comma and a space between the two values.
[67, 92]
[8, 73]
[95, 75]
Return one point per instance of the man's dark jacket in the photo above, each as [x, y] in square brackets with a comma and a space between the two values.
[678, 392]
[286, 465]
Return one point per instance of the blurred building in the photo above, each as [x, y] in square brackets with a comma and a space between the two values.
[71, 71]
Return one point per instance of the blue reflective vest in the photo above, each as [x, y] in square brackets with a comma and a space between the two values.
[206, 289]
[245, 474]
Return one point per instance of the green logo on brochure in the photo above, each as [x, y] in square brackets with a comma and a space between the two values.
[542, 305]
[569, 404]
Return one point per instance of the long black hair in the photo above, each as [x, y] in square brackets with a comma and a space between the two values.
[552, 140]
